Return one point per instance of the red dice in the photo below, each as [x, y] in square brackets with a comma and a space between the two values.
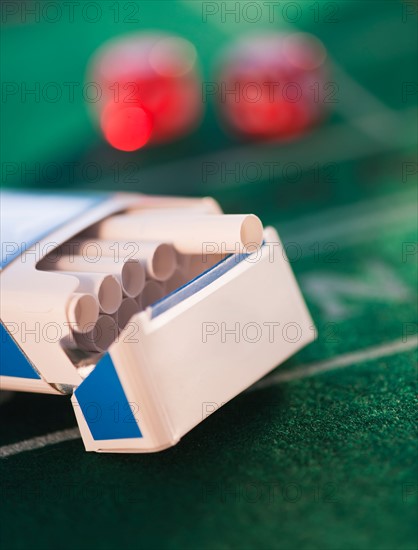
[273, 86]
[150, 89]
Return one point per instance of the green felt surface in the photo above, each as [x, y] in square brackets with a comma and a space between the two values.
[326, 462]
[313, 459]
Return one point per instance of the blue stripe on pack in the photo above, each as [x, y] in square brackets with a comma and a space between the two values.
[13, 361]
[104, 404]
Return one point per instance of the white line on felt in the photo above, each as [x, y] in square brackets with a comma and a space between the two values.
[39, 442]
[342, 361]
[357, 99]
[304, 371]
[333, 143]
[342, 221]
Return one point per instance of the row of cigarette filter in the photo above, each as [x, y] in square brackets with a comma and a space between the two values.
[129, 261]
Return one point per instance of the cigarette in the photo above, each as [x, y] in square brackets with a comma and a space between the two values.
[127, 310]
[177, 280]
[153, 291]
[106, 288]
[204, 205]
[159, 259]
[130, 273]
[190, 234]
[103, 334]
[82, 311]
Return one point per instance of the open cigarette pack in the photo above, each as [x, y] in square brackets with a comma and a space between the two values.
[150, 312]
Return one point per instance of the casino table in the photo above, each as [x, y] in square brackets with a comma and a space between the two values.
[321, 453]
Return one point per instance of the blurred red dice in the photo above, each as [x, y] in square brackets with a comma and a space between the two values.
[273, 86]
[149, 87]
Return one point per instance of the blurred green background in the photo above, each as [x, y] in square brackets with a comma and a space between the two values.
[372, 46]
[339, 444]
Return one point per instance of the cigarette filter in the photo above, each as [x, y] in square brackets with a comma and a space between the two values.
[142, 371]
